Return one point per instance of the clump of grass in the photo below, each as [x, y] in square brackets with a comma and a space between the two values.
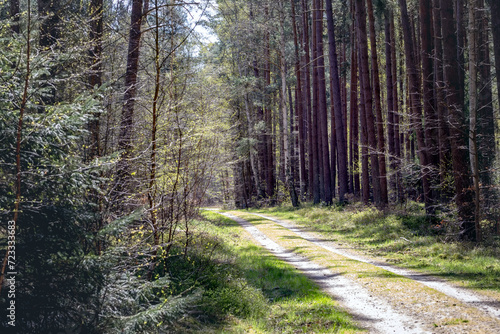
[406, 237]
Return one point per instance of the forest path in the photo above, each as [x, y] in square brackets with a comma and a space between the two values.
[382, 298]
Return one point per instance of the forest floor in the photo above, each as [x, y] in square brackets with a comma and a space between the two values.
[382, 298]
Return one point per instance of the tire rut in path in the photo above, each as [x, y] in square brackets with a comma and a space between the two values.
[371, 312]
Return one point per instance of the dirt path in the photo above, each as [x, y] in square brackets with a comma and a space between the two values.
[382, 298]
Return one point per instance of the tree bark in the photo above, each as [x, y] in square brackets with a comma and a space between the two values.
[416, 107]
[339, 111]
[461, 174]
[378, 107]
[300, 106]
[431, 120]
[95, 79]
[495, 29]
[354, 113]
[322, 107]
[308, 99]
[473, 108]
[485, 115]
[368, 99]
[14, 15]
[126, 125]
[390, 101]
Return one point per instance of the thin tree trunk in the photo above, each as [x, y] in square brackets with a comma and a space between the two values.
[95, 80]
[378, 107]
[308, 100]
[338, 109]
[14, 15]
[473, 108]
[301, 106]
[397, 132]
[368, 99]
[416, 107]
[495, 32]
[354, 120]
[443, 131]
[126, 127]
[431, 120]
[317, 178]
[322, 108]
[390, 102]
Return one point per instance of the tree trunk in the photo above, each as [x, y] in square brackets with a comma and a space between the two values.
[308, 99]
[14, 15]
[378, 107]
[322, 107]
[125, 139]
[368, 99]
[339, 111]
[495, 29]
[354, 142]
[395, 108]
[301, 106]
[431, 121]
[473, 107]
[95, 79]
[442, 112]
[416, 107]
[126, 125]
[485, 115]
[390, 101]
[314, 113]
[461, 174]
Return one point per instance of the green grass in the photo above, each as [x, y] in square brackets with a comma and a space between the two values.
[406, 238]
[270, 296]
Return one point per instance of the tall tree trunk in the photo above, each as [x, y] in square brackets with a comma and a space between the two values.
[473, 108]
[461, 174]
[378, 107]
[485, 115]
[269, 160]
[308, 99]
[416, 107]
[338, 107]
[368, 99]
[48, 38]
[49, 29]
[300, 106]
[460, 50]
[322, 108]
[316, 130]
[442, 111]
[431, 119]
[495, 32]
[14, 15]
[395, 108]
[390, 101]
[126, 126]
[95, 79]
[354, 113]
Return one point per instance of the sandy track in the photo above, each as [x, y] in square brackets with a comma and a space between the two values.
[370, 311]
[488, 305]
[407, 303]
